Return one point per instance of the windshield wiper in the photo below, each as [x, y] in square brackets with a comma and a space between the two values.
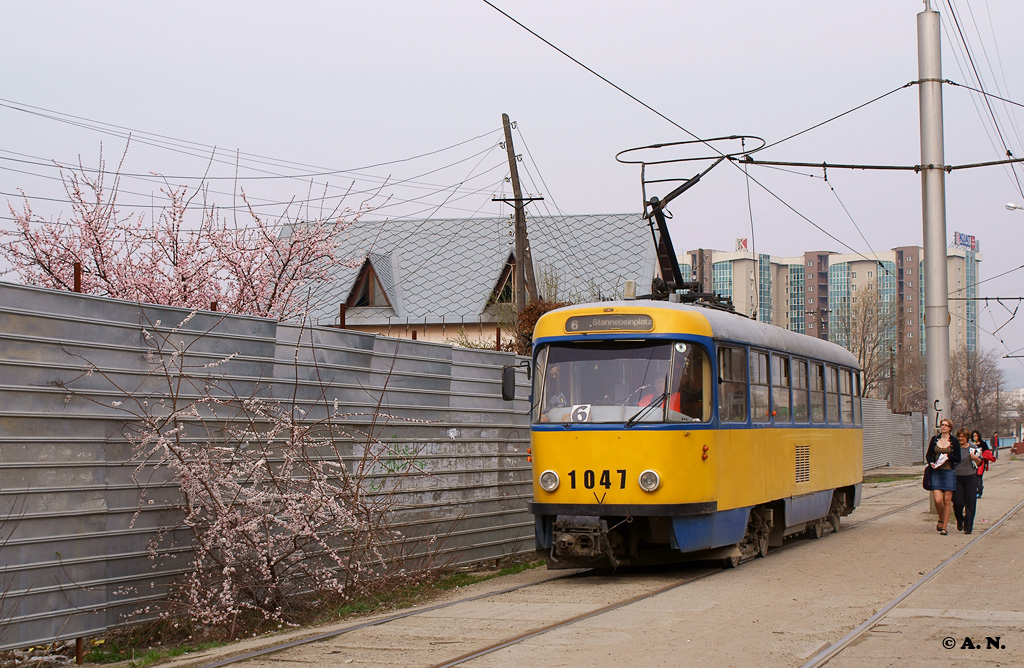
[657, 401]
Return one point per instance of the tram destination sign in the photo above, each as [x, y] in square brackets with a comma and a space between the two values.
[610, 322]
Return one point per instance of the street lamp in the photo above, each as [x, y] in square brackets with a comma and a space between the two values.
[1010, 206]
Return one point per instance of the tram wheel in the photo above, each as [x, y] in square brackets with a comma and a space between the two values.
[730, 562]
[762, 545]
[835, 512]
[814, 530]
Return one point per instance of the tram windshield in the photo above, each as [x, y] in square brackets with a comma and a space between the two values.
[622, 381]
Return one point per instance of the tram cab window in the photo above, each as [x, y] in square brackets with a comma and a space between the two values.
[846, 395]
[832, 393]
[760, 407]
[732, 390]
[550, 386]
[614, 381]
[800, 402]
[817, 392]
[780, 388]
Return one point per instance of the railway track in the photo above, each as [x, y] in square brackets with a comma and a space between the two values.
[865, 627]
[639, 586]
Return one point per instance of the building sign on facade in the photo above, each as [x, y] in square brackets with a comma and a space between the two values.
[967, 241]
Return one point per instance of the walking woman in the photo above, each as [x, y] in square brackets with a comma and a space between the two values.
[943, 455]
[981, 447]
[965, 497]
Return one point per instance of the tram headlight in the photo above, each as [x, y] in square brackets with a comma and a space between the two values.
[548, 481]
[650, 480]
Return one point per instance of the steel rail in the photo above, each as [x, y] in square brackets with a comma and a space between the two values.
[640, 597]
[524, 636]
[830, 652]
[374, 622]
[572, 620]
[991, 476]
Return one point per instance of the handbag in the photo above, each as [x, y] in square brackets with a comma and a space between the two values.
[926, 482]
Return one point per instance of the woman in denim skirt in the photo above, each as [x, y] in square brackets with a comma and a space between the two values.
[943, 455]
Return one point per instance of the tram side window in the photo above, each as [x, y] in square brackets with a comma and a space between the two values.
[846, 395]
[760, 409]
[817, 392]
[800, 390]
[856, 398]
[832, 393]
[732, 391]
[780, 388]
[690, 383]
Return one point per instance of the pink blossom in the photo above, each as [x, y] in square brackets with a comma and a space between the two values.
[188, 257]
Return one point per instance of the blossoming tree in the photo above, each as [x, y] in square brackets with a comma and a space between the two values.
[189, 256]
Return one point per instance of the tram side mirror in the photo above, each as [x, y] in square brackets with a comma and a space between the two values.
[508, 379]
[508, 383]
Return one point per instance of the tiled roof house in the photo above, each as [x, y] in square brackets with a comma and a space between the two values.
[430, 278]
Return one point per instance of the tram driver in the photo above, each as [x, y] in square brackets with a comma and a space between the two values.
[686, 380]
[556, 388]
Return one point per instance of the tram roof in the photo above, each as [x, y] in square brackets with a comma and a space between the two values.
[729, 326]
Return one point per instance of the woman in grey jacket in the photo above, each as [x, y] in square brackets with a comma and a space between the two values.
[965, 496]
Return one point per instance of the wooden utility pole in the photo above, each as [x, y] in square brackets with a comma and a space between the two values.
[524, 279]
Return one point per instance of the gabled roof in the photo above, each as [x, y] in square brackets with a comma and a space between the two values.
[375, 270]
[446, 270]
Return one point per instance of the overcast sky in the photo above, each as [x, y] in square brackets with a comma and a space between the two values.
[314, 87]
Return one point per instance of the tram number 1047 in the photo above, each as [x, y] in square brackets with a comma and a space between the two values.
[590, 478]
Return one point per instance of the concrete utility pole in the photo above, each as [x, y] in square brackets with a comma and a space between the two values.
[933, 209]
[524, 278]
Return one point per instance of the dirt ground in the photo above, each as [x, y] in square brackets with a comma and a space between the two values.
[778, 611]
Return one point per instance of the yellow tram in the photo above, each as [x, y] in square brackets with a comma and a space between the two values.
[664, 431]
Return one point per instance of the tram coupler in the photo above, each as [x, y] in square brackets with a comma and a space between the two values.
[580, 536]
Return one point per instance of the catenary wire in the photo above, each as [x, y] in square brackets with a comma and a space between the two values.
[412, 182]
[889, 273]
[957, 49]
[572, 260]
[988, 61]
[393, 201]
[57, 116]
[423, 222]
[560, 218]
[1002, 75]
[601, 77]
[855, 225]
[977, 76]
[672, 122]
[838, 116]
[970, 71]
[753, 243]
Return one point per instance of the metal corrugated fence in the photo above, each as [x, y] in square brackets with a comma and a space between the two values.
[73, 562]
[891, 439]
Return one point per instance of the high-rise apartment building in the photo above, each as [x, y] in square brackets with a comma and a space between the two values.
[820, 293]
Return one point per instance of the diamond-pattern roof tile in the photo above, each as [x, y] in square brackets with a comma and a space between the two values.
[446, 269]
